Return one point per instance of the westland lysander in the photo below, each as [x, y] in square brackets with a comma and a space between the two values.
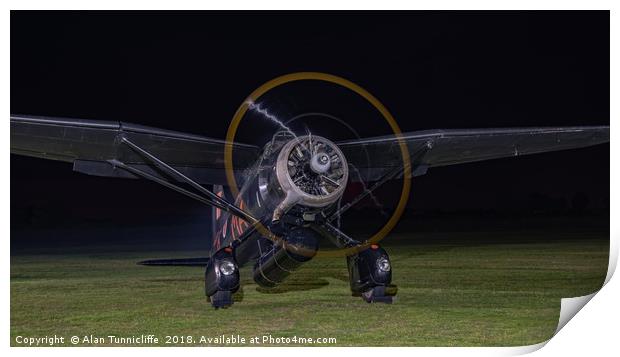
[289, 188]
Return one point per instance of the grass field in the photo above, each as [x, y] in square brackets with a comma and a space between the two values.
[450, 294]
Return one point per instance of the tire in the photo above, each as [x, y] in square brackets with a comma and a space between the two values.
[221, 299]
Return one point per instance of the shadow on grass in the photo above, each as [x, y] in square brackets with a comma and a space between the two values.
[297, 285]
[239, 295]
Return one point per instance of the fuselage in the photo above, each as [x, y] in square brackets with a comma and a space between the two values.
[295, 178]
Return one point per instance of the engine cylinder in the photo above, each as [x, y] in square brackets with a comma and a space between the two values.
[309, 171]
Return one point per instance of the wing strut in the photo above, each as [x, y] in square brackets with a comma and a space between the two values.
[388, 176]
[395, 172]
[341, 239]
[146, 175]
[212, 199]
[338, 237]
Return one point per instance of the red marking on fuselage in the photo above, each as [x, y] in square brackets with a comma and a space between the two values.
[218, 212]
[232, 227]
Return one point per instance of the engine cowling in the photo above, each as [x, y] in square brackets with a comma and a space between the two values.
[310, 171]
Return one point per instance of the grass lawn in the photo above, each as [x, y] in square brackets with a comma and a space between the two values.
[450, 294]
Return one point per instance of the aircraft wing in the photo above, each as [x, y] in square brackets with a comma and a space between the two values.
[88, 144]
[374, 157]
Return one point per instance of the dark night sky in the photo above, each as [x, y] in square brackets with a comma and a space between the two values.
[190, 71]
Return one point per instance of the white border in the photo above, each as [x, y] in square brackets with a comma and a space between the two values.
[593, 330]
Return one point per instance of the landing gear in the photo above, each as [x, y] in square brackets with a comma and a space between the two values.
[385, 294]
[221, 299]
[222, 279]
[370, 275]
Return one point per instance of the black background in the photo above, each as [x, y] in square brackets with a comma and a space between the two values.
[190, 71]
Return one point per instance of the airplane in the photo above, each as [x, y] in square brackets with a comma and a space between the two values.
[289, 192]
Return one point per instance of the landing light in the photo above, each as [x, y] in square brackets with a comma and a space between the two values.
[383, 264]
[227, 267]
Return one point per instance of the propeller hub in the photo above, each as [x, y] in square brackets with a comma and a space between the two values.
[320, 163]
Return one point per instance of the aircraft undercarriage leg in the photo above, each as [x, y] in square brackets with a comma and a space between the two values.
[221, 279]
[370, 275]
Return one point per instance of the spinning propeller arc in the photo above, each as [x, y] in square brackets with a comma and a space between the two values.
[300, 161]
